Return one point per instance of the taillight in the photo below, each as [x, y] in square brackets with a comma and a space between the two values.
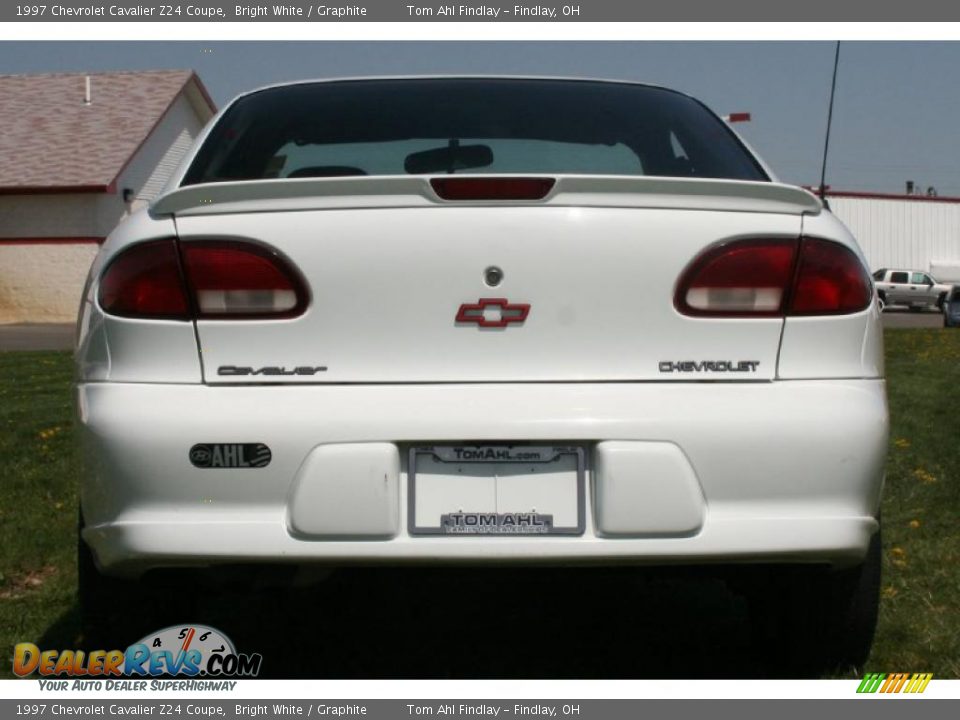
[773, 278]
[830, 280]
[231, 279]
[144, 281]
[492, 188]
[207, 280]
[743, 277]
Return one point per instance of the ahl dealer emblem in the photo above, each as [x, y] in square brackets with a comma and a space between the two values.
[230, 455]
[493, 313]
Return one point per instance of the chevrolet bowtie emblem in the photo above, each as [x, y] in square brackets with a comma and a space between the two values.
[493, 312]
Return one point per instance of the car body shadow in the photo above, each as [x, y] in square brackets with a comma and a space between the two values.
[464, 623]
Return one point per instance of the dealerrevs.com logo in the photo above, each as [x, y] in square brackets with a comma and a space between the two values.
[179, 650]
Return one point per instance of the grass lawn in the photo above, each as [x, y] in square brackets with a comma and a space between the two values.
[919, 627]
[38, 497]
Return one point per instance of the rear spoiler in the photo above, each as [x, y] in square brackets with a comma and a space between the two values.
[415, 191]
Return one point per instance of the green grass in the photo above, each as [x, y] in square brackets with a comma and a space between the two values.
[919, 625]
[38, 498]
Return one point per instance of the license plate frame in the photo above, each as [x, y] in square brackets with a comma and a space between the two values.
[550, 453]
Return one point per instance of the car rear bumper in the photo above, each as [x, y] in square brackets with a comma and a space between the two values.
[747, 472]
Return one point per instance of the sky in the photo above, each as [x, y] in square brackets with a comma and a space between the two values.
[896, 114]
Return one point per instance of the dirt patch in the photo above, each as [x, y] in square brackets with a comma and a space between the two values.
[16, 586]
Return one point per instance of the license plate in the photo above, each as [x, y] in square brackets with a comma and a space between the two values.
[468, 490]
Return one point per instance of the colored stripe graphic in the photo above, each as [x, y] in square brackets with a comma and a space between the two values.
[919, 682]
[894, 682]
[870, 682]
[900, 679]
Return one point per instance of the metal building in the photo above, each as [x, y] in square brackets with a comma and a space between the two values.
[914, 232]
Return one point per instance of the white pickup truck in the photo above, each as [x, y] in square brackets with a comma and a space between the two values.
[916, 289]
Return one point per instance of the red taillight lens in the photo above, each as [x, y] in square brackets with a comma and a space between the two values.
[739, 278]
[144, 281]
[774, 278]
[237, 279]
[830, 280]
[495, 188]
[227, 279]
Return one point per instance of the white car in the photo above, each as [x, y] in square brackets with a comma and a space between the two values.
[487, 320]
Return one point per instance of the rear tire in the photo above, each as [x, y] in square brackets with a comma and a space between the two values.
[807, 622]
[882, 301]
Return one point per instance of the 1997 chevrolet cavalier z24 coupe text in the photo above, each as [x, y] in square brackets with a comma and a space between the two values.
[472, 320]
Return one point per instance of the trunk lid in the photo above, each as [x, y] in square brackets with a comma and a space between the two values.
[390, 268]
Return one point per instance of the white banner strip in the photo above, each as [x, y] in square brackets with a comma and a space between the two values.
[479, 31]
[29, 689]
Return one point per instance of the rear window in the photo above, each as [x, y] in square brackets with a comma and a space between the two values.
[437, 126]
[899, 277]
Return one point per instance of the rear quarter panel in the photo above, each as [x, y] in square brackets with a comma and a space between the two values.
[841, 346]
[111, 348]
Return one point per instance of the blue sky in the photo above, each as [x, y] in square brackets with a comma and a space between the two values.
[897, 113]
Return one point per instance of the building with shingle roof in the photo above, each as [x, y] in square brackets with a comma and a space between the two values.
[78, 152]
